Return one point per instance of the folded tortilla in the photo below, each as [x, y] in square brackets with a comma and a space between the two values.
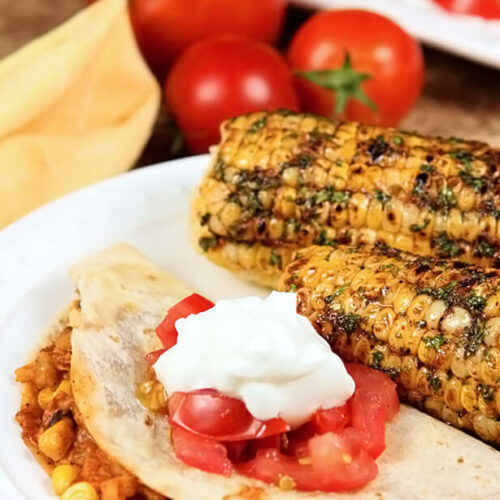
[123, 298]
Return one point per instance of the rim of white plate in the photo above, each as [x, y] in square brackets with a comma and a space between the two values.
[26, 246]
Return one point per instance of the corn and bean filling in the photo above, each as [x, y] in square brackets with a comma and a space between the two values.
[54, 430]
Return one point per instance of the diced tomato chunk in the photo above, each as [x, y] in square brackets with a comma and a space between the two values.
[375, 381]
[332, 420]
[202, 453]
[192, 304]
[368, 416]
[209, 413]
[332, 466]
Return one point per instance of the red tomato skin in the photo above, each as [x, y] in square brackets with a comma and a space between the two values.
[192, 304]
[271, 465]
[377, 46]
[221, 78]
[152, 357]
[488, 9]
[372, 380]
[222, 417]
[202, 453]
[331, 420]
[165, 28]
[368, 416]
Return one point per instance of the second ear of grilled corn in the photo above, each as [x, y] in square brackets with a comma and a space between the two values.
[433, 325]
[281, 181]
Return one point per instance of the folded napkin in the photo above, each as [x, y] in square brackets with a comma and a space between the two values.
[76, 105]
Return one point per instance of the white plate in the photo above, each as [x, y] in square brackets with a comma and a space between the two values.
[467, 36]
[147, 208]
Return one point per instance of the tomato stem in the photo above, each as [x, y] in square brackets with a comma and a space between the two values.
[345, 82]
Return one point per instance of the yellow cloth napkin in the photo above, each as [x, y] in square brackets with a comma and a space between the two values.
[76, 105]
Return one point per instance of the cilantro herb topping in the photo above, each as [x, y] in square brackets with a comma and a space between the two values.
[435, 342]
[207, 242]
[476, 302]
[275, 259]
[425, 167]
[381, 196]
[447, 198]
[485, 249]
[377, 358]
[448, 247]
[415, 228]
[476, 183]
[434, 382]
[323, 239]
[258, 124]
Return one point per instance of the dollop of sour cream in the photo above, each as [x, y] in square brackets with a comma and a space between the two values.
[260, 351]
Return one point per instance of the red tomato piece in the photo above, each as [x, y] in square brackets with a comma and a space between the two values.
[202, 453]
[331, 420]
[368, 416]
[489, 9]
[192, 304]
[209, 413]
[165, 28]
[375, 381]
[224, 77]
[387, 67]
[235, 449]
[152, 357]
[297, 441]
[340, 462]
[336, 466]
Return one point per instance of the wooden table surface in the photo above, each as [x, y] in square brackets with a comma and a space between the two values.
[460, 98]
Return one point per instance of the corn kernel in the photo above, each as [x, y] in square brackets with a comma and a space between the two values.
[45, 397]
[56, 440]
[63, 476]
[80, 491]
[64, 387]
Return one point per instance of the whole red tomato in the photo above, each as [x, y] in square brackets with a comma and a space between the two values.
[221, 78]
[489, 9]
[378, 67]
[164, 28]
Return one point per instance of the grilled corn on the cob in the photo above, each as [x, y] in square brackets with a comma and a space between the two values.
[433, 325]
[281, 181]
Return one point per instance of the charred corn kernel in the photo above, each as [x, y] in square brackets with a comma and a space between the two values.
[56, 440]
[80, 491]
[45, 397]
[452, 394]
[435, 312]
[63, 476]
[419, 307]
[458, 319]
[421, 320]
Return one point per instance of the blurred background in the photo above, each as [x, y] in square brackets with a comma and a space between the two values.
[453, 91]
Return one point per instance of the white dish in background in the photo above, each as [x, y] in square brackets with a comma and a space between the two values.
[467, 36]
[147, 208]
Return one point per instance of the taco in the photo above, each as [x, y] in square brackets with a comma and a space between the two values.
[91, 390]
